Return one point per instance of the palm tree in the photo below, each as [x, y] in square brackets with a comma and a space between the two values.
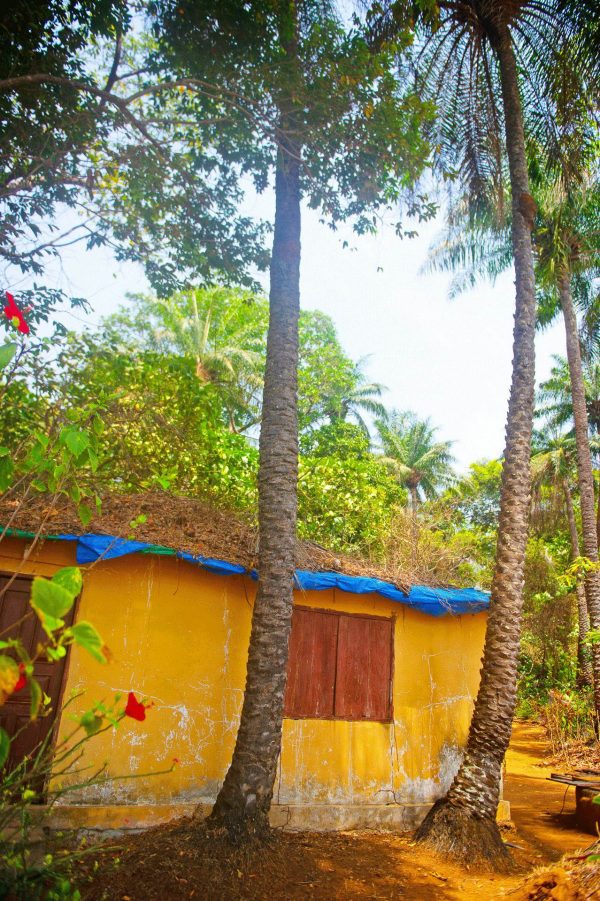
[361, 397]
[295, 83]
[555, 398]
[204, 324]
[552, 464]
[417, 461]
[222, 330]
[475, 57]
[568, 257]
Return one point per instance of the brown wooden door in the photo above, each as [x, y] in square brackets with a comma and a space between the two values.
[311, 667]
[364, 666]
[17, 620]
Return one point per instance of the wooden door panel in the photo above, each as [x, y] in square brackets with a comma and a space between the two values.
[311, 668]
[17, 620]
[363, 685]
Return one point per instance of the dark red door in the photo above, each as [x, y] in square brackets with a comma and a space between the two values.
[311, 667]
[17, 620]
[363, 687]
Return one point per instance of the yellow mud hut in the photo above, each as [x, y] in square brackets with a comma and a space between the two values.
[381, 682]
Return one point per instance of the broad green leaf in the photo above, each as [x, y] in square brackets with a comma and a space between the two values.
[86, 636]
[76, 440]
[36, 698]
[84, 513]
[70, 579]
[50, 598]
[57, 653]
[4, 746]
[7, 352]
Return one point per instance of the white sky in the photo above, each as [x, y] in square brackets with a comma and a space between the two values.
[449, 360]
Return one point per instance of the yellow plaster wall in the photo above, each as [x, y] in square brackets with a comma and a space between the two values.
[179, 637]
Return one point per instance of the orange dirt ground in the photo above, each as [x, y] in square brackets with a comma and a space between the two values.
[170, 863]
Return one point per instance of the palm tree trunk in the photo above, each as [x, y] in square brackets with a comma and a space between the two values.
[243, 803]
[584, 471]
[463, 824]
[584, 668]
[598, 519]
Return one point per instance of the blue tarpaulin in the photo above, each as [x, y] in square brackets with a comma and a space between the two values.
[434, 601]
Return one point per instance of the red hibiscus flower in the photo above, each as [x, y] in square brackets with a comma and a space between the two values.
[135, 709]
[12, 312]
[22, 680]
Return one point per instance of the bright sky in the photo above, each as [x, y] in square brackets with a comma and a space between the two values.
[448, 360]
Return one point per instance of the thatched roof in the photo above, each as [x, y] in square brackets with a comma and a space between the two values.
[183, 524]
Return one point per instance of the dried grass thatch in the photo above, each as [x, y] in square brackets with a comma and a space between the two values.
[574, 878]
[184, 524]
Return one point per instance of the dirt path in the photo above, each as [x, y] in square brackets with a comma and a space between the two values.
[172, 863]
[542, 811]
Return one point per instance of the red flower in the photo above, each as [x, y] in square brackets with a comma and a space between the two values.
[12, 312]
[22, 680]
[135, 709]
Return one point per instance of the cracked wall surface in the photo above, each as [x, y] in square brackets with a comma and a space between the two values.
[179, 638]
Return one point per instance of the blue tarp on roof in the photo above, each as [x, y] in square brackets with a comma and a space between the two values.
[434, 601]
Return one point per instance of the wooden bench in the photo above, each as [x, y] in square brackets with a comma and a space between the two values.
[587, 786]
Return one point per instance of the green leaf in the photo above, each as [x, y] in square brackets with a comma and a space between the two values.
[76, 440]
[54, 654]
[6, 472]
[4, 746]
[70, 579]
[7, 352]
[86, 636]
[50, 623]
[93, 459]
[84, 513]
[50, 599]
[36, 698]
[91, 722]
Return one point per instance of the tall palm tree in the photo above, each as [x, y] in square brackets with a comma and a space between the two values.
[416, 459]
[222, 330]
[479, 58]
[362, 397]
[567, 240]
[202, 324]
[555, 398]
[287, 85]
[552, 464]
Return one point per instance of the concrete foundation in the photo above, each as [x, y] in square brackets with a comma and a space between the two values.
[291, 817]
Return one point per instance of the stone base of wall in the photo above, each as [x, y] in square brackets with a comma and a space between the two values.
[292, 817]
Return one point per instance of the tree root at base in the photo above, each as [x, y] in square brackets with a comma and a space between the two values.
[458, 834]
